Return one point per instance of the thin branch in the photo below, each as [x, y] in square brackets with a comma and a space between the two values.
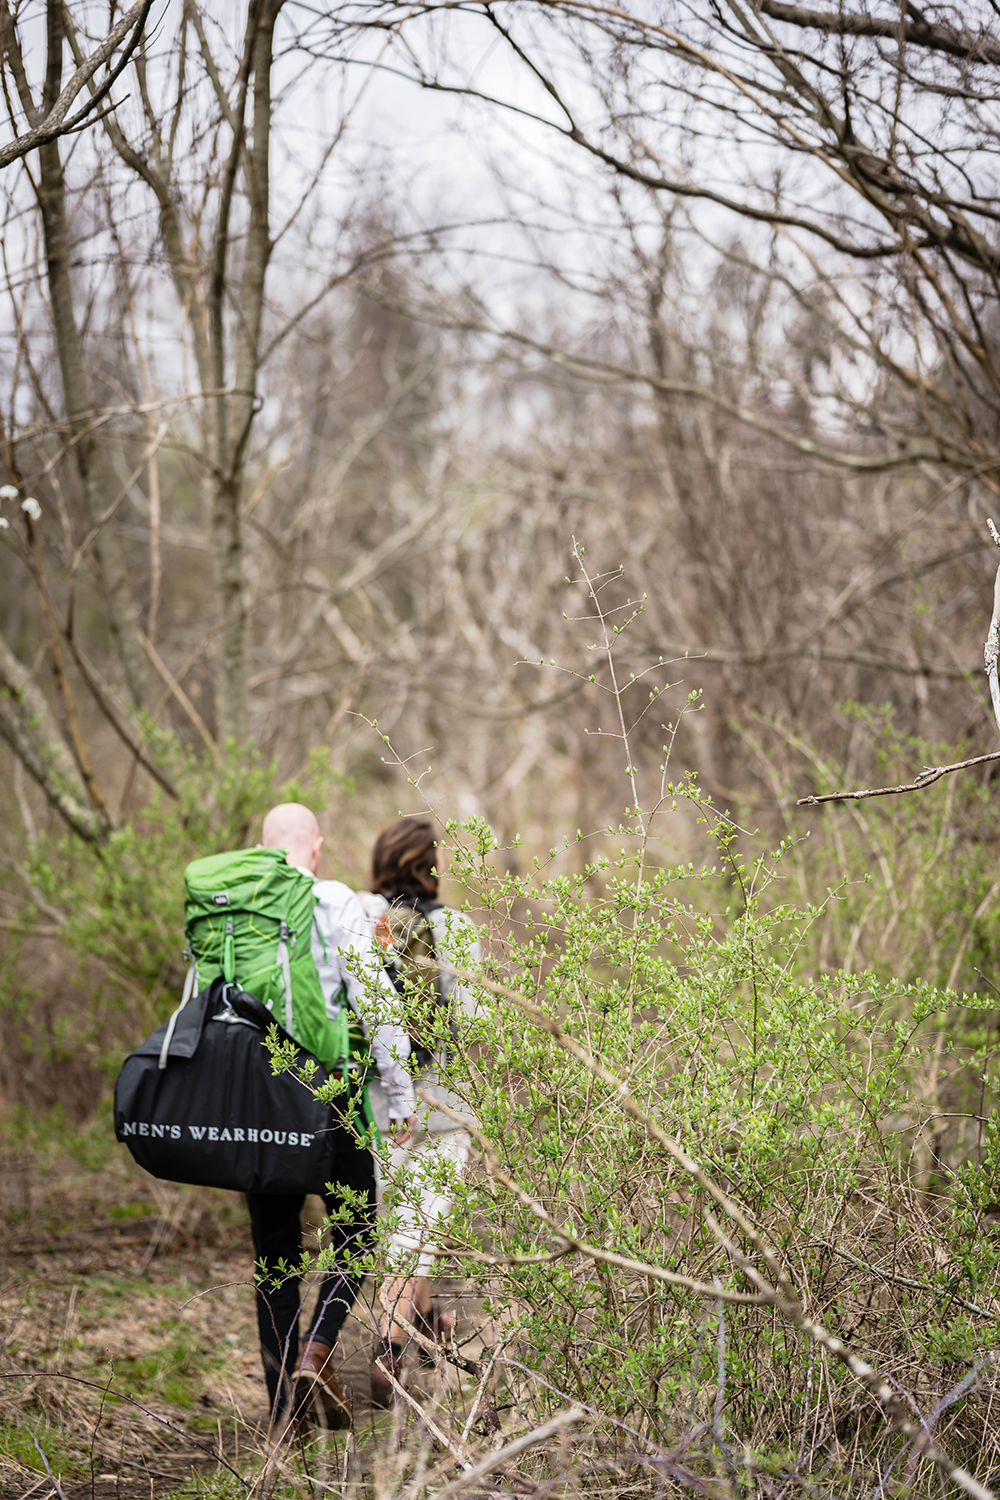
[115, 717]
[915, 32]
[62, 681]
[930, 774]
[57, 1487]
[28, 726]
[55, 123]
[511, 1450]
[176, 691]
[122, 1396]
[926, 778]
[902, 458]
[907, 1281]
[571, 1241]
[401, 1390]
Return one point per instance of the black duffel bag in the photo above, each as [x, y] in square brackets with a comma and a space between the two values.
[198, 1102]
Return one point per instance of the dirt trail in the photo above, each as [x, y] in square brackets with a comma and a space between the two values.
[119, 1282]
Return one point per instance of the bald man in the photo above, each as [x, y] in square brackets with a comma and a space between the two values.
[342, 950]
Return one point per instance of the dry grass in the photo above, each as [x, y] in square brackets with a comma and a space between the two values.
[104, 1284]
[114, 1286]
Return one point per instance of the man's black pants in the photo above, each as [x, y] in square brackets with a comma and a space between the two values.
[277, 1238]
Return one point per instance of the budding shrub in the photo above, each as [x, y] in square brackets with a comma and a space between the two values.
[801, 1093]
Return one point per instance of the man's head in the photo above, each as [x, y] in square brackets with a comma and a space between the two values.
[292, 827]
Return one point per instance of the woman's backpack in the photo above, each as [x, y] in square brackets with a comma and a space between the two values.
[406, 933]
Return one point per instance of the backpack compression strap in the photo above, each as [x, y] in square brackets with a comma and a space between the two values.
[286, 974]
[229, 967]
[229, 953]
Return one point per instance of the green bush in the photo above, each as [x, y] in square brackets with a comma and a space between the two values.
[803, 1095]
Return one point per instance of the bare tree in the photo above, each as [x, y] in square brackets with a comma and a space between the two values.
[180, 212]
[804, 262]
[776, 414]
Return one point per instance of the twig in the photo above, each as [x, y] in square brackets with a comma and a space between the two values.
[907, 1281]
[893, 1405]
[30, 929]
[176, 691]
[467, 1366]
[115, 717]
[965, 1384]
[926, 778]
[993, 636]
[415, 1405]
[718, 1405]
[583, 1247]
[930, 774]
[55, 122]
[655, 1454]
[62, 682]
[37, 1486]
[131, 1401]
[93, 1435]
[511, 1450]
[480, 1392]
[48, 1468]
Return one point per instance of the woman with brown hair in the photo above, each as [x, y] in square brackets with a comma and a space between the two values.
[418, 933]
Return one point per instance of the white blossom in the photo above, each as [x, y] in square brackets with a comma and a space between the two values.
[4, 523]
[8, 492]
[31, 507]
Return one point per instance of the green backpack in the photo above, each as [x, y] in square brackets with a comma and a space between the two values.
[249, 916]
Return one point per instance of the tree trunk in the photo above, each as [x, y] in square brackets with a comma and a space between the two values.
[27, 724]
[236, 412]
[76, 393]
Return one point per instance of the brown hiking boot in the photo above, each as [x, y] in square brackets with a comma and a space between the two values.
[317, 1388]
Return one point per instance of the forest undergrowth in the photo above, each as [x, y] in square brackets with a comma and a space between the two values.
[663, 1314]
[733, 1219]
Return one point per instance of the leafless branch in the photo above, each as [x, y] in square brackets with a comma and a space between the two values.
[925, 779]
[56, 122]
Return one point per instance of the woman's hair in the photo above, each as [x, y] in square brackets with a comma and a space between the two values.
[403, 860]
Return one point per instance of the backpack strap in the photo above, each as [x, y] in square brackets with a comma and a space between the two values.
[168, 1035]
[286, 974]
[421, 920]
[394, 956]
[423, 914]
[422, 911]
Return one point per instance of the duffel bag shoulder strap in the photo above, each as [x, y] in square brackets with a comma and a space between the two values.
[168, 1036]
